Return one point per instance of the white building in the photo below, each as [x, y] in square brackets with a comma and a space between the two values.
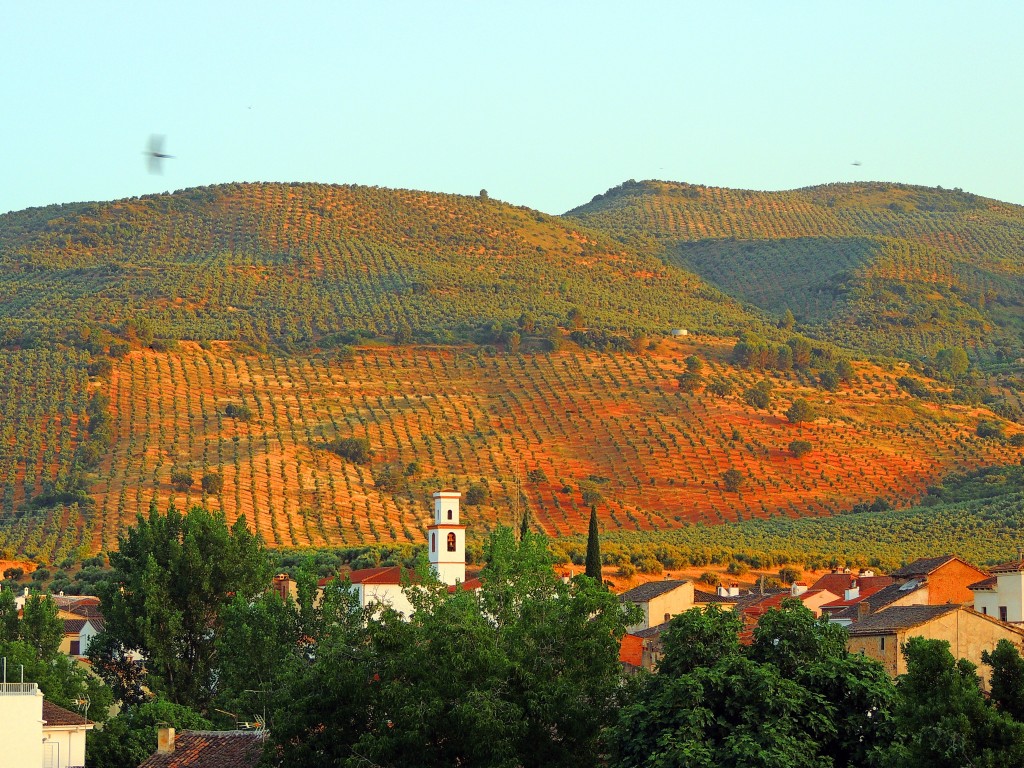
[446, 544]
[447, 539]
[37, 734]
[1002, 595]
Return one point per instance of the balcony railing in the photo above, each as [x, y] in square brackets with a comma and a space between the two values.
[14, 689]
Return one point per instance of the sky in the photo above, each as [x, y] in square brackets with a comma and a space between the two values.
[543, 104]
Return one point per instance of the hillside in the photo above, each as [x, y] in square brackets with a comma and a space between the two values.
[882, 268]
[294, 265]
[239, 331]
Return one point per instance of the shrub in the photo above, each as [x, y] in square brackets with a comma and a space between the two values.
[181, 479]
[353, 449]
[212, 483]
[690, 382]
[987, 428]
[788, 575]
[1017, 440]
[476, 494]
[759, 395]
[537, 476]
[238, 412]
[733, 480]
[799, 448]
[720, 387]
[711, 578]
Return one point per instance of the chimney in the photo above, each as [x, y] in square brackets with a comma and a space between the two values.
[798, 588]
[867, 574]
[734, 590]
[164, 741]
[852, 593]
[723, 591]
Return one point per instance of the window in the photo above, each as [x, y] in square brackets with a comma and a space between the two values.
[1002, 613]
[881, 643]
[451, 542]
[76, 646]
[449, 514]
[668, 617]
[433, 542]
[984, 609]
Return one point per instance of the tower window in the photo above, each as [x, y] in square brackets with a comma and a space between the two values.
[451, 542]
[433, 542]
[449, 514]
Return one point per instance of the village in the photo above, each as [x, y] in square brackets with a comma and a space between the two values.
[942, 598]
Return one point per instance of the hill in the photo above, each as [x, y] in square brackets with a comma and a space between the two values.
[244, 332]
[887, 269]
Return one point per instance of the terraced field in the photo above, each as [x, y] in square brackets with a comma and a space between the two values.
[618, 423]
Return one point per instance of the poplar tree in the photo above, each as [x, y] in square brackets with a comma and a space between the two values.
[594, 549]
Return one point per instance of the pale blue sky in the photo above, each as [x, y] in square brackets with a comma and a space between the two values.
[544, 104]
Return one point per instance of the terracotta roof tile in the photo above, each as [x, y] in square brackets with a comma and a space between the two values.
[211, 749]
[54, 715]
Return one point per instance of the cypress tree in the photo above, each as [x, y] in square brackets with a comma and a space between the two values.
[594, 548]
[524, 526]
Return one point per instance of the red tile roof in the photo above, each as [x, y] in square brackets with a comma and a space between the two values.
[211, 749]
[631, 650]
[761, 607]
[468, 585]
[840, 582]
[56, 716]
[865, 592]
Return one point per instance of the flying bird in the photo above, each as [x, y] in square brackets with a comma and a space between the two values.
[856, 162]
[155, 155]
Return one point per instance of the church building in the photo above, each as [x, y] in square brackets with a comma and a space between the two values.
[446, 543]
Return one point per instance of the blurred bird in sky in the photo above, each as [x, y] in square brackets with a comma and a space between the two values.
[856, 162]
[155, 154]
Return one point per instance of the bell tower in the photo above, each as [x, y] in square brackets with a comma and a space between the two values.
[446, 538]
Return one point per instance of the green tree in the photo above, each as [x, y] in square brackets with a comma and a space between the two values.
[523, 672]
[9, 625]
[476, 494]
[593, 567]
[801, 411]
[61, 679]
[799, 448]
[41, 627]
[693, 364]
[942, 718]
[1007, 681]
[353, 449]
[733, 480]
[759, 395]
[212, 483]
[172, 576]
[181, 479]
[690, 382]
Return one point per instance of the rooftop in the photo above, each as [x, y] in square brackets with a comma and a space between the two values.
[58, 716]
[899, 617]
[651, 590]
[924, 566]
[211, 749]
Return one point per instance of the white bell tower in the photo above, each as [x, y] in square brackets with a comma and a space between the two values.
[446, 538]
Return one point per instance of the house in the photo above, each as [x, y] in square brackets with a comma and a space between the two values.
[659, 601]
[63, 736]
[35, 732]
[78, 633]
[812, 599]
[854, 593]
[882, 635]
[948, 578]
[206, 749]
[1002, 594]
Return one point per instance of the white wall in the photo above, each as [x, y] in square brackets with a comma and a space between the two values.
[385, 594]
[21, 726]
[70, 742]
